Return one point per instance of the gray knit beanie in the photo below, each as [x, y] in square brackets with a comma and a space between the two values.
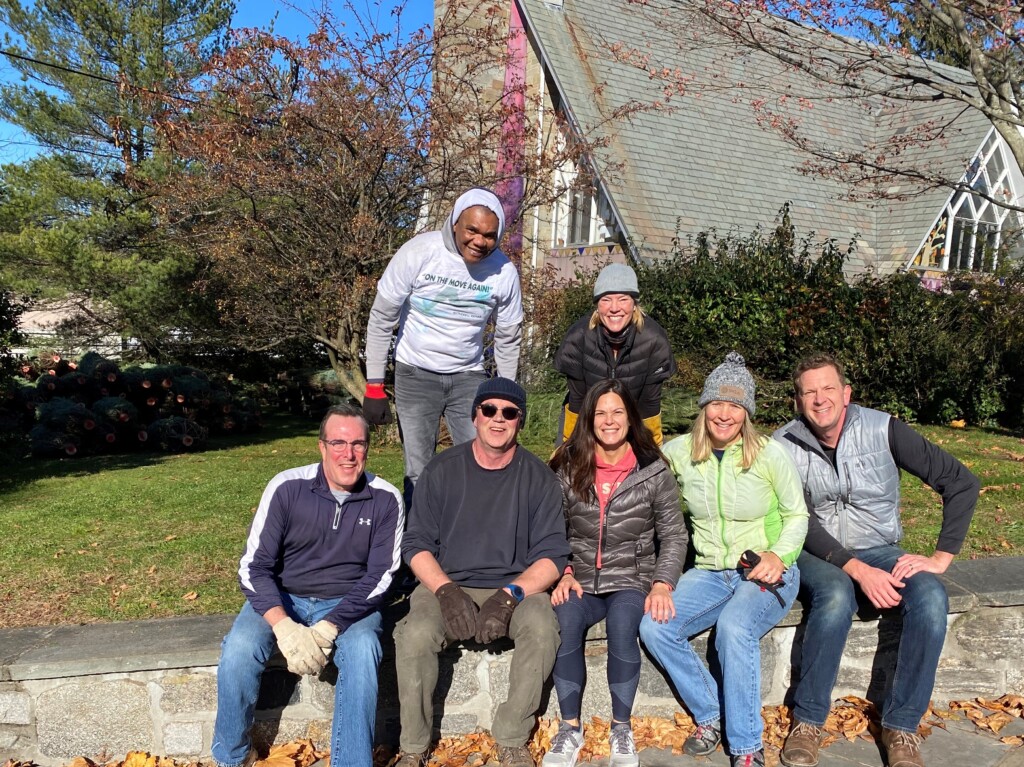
[616, 278]
[730, 382]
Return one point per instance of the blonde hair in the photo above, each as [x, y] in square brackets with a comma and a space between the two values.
[701, 448]
[637, 318]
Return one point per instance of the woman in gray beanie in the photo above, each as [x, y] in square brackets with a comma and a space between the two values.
[744, 504]
[617, 340]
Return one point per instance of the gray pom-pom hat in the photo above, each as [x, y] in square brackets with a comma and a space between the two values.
[730, 382]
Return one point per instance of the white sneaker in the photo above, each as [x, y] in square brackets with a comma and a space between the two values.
[565, 747]
[623, 747]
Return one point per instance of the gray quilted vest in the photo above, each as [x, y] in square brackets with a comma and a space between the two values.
[857, 501]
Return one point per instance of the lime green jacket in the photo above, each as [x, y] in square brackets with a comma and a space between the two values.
[731, 509]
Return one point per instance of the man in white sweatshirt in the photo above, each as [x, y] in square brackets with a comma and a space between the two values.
[442, 289]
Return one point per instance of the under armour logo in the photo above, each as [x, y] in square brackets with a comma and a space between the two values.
[364, 521]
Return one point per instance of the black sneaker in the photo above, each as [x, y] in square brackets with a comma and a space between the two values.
[755, 759]
[704, 740]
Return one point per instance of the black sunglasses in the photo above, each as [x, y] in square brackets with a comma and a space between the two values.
[508, 413]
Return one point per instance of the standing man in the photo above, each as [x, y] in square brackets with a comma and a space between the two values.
[321, 552]
[486, 540]
[442, 289]
[849, 459]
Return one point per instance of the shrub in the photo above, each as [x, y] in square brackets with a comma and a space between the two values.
[774, 297]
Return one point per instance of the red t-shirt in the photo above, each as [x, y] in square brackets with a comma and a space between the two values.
[607, 478]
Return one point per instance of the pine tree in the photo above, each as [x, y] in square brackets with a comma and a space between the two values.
[76, 219]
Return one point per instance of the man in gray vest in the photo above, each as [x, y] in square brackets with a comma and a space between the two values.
[849, 459]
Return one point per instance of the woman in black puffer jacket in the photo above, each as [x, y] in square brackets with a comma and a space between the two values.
[628, 543]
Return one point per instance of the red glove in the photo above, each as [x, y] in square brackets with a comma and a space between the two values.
[376, 409]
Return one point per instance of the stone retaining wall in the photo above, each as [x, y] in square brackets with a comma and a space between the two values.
[106, 689]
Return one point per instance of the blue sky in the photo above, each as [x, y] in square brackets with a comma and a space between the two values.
[290, 18]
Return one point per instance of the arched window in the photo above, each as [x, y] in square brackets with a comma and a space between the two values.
[971, 232]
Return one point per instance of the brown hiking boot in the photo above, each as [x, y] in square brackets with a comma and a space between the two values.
[902, 749]
[409, 759]
[801, 747]
[515, 756]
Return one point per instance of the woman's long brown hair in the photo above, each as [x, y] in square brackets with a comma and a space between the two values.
[575, 458]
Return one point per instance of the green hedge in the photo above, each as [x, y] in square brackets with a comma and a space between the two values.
[923, 355]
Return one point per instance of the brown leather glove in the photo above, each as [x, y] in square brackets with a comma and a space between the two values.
[492, 622]
[457, 610]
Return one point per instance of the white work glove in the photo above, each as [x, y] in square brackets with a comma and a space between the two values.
[325, 632]
[299, 647]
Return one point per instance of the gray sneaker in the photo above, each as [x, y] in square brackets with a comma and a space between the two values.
[623, 747]
[565, 747]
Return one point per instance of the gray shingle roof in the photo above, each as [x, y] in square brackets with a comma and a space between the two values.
[704, 162]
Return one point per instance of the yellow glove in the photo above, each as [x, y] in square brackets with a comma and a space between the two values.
[299, 647]
[568, 422]
[654, 424]
[325, 632]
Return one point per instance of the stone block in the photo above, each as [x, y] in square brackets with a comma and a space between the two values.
[183, 739]
[270, 731]
[992, 634]
[653, 682]
[867, 640]
[321, 692]
[15, 708]
[997, 581]
[457, 678]
[189, 693]
[87, 717]
[1015, 679]
[278, 688]
[459, 724]
[387, 684]
[962, 681]
[11, 741]
[664, 710]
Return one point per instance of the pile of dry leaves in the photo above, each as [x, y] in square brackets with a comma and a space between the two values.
[854, 718]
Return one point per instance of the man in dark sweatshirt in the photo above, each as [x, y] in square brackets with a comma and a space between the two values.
[486, 539]
[849, 459]
[322, 549]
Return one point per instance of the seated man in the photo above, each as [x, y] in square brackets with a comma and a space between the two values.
[321, 552]
[849, 459]
[486, 539]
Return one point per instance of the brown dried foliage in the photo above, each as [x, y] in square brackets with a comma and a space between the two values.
[854, 718]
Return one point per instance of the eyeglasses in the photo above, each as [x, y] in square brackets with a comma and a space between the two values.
[338, 445]
[508, 412]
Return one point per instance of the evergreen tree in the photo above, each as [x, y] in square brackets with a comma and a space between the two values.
[76, 220]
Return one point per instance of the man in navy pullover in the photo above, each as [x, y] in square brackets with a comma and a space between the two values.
[322, 550]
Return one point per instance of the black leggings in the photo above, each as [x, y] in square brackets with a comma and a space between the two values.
[621, 611]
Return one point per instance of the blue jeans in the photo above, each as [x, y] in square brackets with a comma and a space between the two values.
[742, 613]
[421, 398]
[621, 611]
[831, 600]
[244, 654]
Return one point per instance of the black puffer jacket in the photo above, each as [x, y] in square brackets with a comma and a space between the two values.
[644, 363]
[644, 507]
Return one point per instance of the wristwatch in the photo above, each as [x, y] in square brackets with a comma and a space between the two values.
[517, 591]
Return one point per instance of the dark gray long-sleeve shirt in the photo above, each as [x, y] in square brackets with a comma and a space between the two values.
[485, 527]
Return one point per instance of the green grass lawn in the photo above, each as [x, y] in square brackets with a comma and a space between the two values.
[128, 537]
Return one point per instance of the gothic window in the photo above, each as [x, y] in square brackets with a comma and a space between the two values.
[972, 230]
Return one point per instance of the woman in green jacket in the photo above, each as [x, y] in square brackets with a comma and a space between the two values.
[743, 500]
